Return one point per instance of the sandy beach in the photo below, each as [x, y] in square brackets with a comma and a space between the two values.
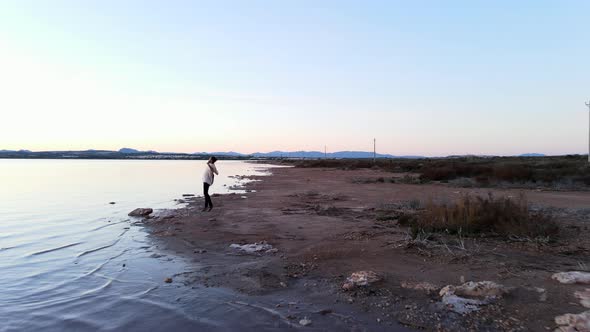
[323, 224]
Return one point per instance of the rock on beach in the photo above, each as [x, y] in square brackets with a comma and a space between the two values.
[361, 278]
[140, 212]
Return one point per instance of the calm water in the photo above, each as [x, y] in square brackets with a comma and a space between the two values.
[70, 261]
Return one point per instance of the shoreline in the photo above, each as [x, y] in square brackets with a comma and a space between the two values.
[325, 226]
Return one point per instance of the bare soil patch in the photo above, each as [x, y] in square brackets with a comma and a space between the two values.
[326, 225]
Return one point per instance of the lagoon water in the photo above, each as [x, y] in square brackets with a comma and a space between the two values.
[70, 261]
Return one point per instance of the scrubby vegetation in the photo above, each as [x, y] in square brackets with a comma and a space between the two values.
[568, 172]
[475, 215]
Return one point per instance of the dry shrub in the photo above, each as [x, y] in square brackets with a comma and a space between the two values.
[438, 173]
[478, 215]
[513, 173]
[568, 171]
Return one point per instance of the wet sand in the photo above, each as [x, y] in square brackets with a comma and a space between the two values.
[324, 224]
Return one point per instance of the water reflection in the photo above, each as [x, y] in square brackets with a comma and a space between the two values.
[72, 261]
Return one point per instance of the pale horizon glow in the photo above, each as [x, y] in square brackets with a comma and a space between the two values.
[424, 78]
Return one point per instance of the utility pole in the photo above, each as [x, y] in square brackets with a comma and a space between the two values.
[325, 152]
[374, 150]
[588, 105]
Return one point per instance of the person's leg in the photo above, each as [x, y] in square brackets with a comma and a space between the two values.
[206, 194]
[209, 198]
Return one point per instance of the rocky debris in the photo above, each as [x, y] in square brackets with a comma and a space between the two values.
[461, 305]
[480, 293]
[362, 279]
[420, 286]
[573, 277]
[542, 294]
[573, 322]
[254, 247]
[188, 195]
[141, 212]
[112, 203]
[305, 322]
[297, 270]
[584, 297]
[477, 289]
[168, 280]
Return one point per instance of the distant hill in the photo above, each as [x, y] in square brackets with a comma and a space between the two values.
[319, 154]
[126, 153]
[298, 154]
[19, 151]
[129, 153]
[532, 155]
[230, 153]
[128, 150]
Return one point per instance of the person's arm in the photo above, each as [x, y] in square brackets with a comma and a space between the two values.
[214, 169]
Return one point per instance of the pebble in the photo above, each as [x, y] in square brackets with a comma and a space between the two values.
[305, 322]
[168, 280]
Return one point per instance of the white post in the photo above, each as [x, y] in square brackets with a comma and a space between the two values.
[374, 150]
[588, 105]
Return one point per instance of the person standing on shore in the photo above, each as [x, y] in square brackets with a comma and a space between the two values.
[208, 177]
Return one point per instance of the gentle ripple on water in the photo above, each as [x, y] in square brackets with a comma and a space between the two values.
[72, 262]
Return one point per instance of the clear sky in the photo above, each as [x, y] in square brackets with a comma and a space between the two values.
[422, 77]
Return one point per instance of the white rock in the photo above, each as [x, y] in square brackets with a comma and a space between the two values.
[484, 291]
[364, 278]
[573, 322]
[573, 277]
[584, 297]
[479, 289]
[252, 247]
[542, 294]
[461, 305]
[305, 322]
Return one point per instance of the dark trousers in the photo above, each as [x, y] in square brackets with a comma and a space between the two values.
[208, 202]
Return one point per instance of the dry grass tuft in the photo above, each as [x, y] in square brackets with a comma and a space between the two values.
[487, 215]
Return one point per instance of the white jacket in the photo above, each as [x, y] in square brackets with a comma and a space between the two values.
[208, 175]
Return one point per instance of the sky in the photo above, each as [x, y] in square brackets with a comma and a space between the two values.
[428, 78]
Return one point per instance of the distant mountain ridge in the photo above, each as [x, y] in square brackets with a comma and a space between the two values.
[128, 150]
[307, 154]
[129, 153]
[531, 155]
